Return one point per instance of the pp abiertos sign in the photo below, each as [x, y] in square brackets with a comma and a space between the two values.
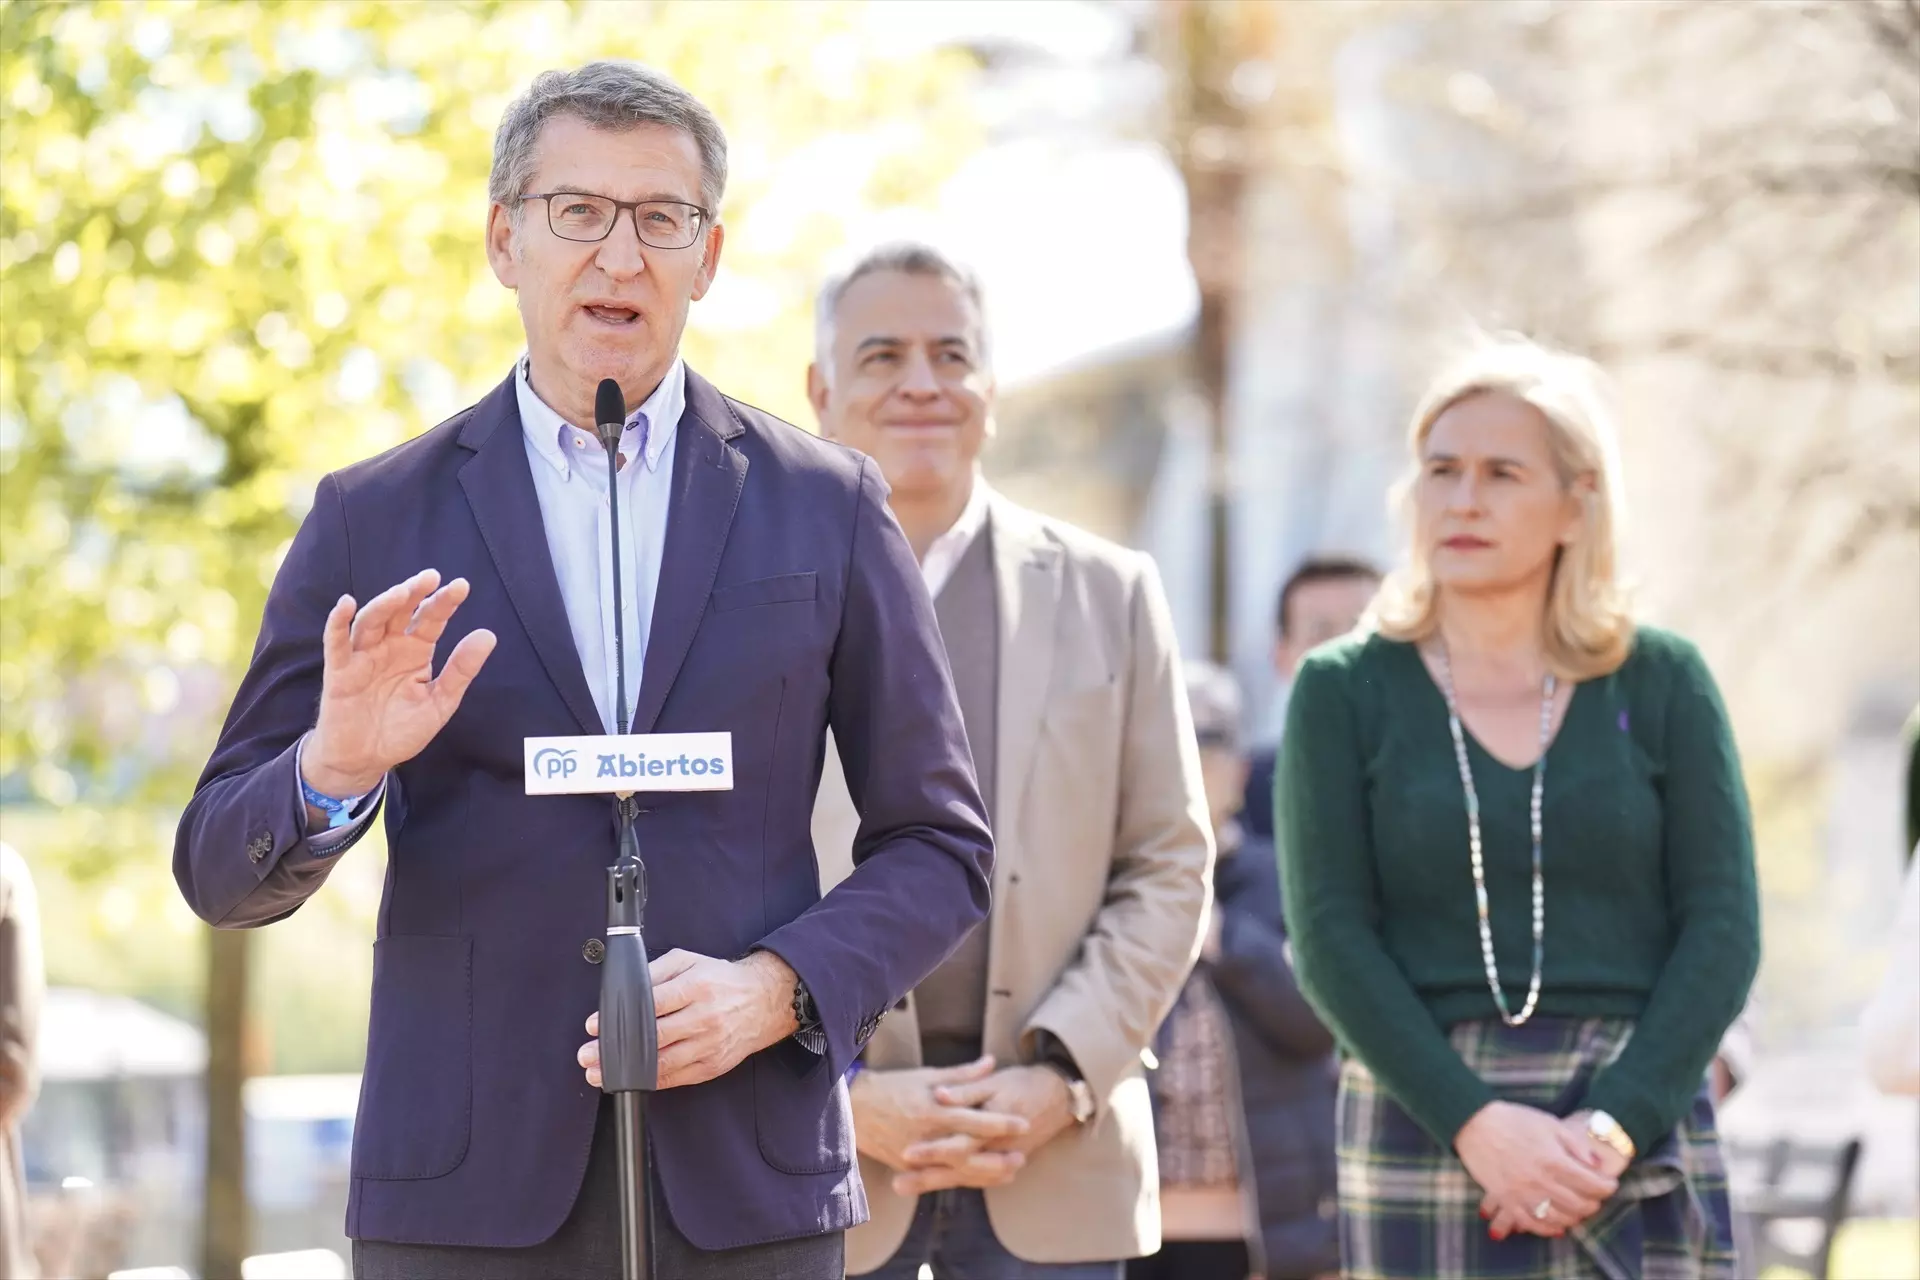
[636, 762]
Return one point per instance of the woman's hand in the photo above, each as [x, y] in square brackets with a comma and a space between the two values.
[1523, 1159]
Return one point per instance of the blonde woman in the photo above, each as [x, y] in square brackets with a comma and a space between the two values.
[1518, 868]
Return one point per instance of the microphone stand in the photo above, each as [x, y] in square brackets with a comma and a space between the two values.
[629, 1040]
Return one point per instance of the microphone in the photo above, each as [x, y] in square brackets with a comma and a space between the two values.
[609, 413]
[609, 420]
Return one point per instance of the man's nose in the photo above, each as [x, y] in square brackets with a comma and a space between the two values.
[621, 254]
[918, 378]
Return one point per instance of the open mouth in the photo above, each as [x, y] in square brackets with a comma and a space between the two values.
[617, 316]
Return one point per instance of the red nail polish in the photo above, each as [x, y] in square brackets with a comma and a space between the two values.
[1496, 1236]
[1485, 1216]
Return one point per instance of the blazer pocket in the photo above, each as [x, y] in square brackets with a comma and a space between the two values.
[416, 1098]
[784, 589]
[801, 1113]
[1073, 705]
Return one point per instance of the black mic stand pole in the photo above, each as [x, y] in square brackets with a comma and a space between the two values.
[629, 1041]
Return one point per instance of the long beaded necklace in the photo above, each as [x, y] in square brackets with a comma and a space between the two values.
[1473, 844]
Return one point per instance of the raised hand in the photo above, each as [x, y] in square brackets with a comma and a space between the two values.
[380, 702]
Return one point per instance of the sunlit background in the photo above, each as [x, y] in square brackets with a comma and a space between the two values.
[1223, 244]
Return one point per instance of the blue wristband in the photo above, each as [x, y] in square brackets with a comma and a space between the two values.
[339, 811]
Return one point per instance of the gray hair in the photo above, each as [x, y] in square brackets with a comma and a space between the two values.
[909, 257]
[606, 95]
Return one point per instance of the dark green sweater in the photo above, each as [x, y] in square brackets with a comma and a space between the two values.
[1651, 910]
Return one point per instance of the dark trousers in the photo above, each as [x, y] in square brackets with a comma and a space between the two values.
[1194, 1260]
[952, 1234]
[587, 1246]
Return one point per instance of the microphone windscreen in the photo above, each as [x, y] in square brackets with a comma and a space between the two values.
[609, 410]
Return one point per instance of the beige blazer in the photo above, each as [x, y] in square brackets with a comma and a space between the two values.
[1100, 883]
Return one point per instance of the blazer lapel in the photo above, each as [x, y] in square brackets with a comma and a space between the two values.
[1027, 573]
[499, 489]
[708, 475]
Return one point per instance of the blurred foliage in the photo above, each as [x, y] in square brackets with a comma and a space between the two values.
[240, 245]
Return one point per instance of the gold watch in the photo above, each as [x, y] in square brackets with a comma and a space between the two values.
[1602, 1127]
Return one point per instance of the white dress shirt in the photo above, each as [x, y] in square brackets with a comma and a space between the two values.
[570, 478]
[569, 467]
[944, 552]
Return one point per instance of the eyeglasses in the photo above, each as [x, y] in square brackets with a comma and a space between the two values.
[662, 224]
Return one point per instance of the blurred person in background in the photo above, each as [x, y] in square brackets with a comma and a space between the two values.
[22, 991]
[767, 594]
[1321, 600]
[1244, 1090]
[1910, 735]
[1890, 1025]
[1001, 1112]
[1519, 867]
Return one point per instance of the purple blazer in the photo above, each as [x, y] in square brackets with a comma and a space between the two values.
[788, 602]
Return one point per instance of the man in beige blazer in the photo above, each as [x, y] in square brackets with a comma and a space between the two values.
[1000, 1111]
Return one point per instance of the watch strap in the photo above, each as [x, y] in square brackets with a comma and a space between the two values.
[1602, 1127]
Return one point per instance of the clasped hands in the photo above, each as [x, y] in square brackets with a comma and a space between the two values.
[1524, 1158]
[964, 1126]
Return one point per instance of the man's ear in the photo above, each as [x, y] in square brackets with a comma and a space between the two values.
[500, 255]
[817, 397]
[709, 261]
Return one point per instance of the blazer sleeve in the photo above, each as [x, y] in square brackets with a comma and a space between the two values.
[923, 857]
[241, 855]
[1107, 1004]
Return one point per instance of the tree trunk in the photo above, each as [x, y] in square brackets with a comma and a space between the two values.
[1213, 362]
[225, 1225]
[1202, 43]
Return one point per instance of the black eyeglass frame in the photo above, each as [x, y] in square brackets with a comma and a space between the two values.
[619, 207]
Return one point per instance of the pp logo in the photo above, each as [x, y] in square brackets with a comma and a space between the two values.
[554, 762]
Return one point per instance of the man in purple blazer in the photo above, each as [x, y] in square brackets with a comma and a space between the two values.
[768, 594]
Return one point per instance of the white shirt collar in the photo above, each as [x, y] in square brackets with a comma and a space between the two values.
[562, 445]
[944, 553]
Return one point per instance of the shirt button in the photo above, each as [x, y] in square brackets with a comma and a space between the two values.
[593, 951]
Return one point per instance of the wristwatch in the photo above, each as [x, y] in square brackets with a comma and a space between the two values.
[1602, 1127]
[1054, 1056]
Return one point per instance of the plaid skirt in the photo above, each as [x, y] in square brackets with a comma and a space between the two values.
[1409, 1209]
